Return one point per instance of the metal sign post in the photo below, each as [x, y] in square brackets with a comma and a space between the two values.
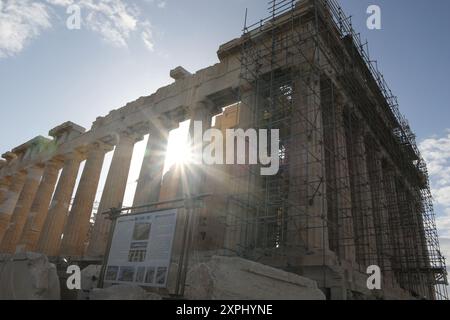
[114, 214]
[188, 203]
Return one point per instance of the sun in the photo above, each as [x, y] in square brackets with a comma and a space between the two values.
[178, 148]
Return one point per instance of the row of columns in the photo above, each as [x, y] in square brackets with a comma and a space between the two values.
[35, 206]
[378, 203]
[36, 213]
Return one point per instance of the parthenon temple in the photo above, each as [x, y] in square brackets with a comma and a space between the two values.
[352, 190]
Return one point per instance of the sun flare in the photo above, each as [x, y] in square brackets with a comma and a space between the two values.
[178, 150]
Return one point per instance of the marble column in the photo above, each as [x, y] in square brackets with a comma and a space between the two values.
[50, 239]
[380, 206]
[39, 208]
[344, 196]
[78, 223]
[5, 182]
[19, 217]
[113, 193]
[150, 178]
[367, 242]
[396, 221]
[307, 226]
[202, 112]
[384, 231]
[8, 205]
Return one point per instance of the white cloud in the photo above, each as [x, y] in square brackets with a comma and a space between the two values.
[116, 21]
[147, 36]
[20, 22]
[436, 151]
[445, 250]
[60, 2]
[112, 20]
[162, 4]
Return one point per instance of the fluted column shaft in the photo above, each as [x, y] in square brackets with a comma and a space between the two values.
[4, 187]
[368, 238]
[50, 239]
[39, 208]
[344, 196]
[307, 223]
[113, 194]
[9, 203]
[380, 208]
[150, 178]
[77, 227]
[200, 112]
[19, 217]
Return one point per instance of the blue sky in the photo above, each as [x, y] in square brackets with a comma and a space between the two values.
[50, 74]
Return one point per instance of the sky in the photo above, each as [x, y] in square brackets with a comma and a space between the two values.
[125, 49]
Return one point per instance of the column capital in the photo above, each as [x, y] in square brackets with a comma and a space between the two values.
[162, 126]
[75, 155]
[54, 163]
[5, 181]
[205, 104]
[202, 110]
[35, 169]
[100, 146]
[128, 135]
[9, 156]
[165, 122]
[19, 174]
[34, 145]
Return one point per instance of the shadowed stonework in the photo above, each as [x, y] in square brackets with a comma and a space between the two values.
[352, 189]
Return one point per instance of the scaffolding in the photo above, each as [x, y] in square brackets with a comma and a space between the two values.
[352, 189]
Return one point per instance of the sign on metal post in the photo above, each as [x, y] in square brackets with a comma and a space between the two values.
[141, 249]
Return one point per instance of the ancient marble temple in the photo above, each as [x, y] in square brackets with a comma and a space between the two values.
[351, 192]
